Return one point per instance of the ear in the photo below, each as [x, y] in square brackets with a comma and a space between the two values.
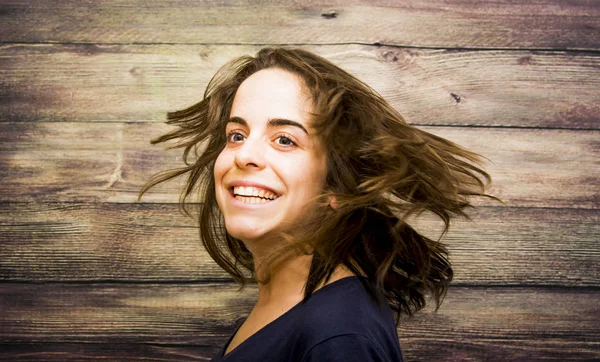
[333, 203]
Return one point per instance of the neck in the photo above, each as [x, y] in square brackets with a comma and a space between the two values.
[280, 270]
[286, 281]
[287, 276]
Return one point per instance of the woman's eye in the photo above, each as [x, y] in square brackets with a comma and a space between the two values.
[235, 137]
[285, 141]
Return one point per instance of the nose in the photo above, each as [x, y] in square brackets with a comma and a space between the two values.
[251, 154]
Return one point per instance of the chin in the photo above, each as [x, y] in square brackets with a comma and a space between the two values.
[244, 233]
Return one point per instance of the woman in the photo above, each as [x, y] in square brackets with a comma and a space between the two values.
[308, 177]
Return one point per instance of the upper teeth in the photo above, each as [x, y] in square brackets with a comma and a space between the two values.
[253, 191]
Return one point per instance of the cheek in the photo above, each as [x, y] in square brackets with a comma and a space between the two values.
[310, 176]
[222, 164]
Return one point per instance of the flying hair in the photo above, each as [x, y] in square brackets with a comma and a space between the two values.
[380, 172]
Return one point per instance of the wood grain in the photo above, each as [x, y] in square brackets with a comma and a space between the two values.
[88, 273]
[154, 243]
[463, 24]
[114, 352]
[100, 83]
[109, 162]
[414, 350]
[514, 323]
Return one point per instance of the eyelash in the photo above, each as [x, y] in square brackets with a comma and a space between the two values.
[231, 134]
[279, 136]
[287, 137]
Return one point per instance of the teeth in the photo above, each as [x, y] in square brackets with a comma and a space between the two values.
[253, 192]
[251, 199]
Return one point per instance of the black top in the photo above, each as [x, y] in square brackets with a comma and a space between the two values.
[339, 322]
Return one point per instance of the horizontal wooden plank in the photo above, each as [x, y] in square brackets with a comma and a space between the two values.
[437, 23]
[473, 323]
[504, 324]
[82, 83]
[425, 350]
[114, 352]
[53, 161]
[120, 313]
[153, 242]
[79, 242]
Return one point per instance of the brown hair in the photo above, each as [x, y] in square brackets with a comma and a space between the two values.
[380, 170]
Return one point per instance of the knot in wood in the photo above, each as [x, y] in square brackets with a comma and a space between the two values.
[390, 56]
[136, 71]
[329, 14]
[457, 97]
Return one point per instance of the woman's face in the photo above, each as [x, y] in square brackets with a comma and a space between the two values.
[273, 163]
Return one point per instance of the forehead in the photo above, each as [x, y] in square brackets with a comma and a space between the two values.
[272, 93]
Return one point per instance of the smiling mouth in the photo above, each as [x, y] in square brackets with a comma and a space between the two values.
[253, 195]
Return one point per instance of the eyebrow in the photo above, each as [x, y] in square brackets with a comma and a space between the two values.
[273, 122]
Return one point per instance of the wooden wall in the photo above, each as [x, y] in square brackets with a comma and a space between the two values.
[88, 273]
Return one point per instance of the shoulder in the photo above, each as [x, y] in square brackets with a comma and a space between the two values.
[344, 307]
[344, 316]
[348, 348]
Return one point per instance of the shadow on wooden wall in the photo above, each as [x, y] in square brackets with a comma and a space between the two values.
[88, 273]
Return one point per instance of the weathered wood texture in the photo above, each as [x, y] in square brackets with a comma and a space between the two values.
[85, 83]
[114, 352]
[499, 323]
[155, 243]
[87, 273]
[53, 161]
[457, 24]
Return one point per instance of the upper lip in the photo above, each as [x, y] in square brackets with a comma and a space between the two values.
[246, 183]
